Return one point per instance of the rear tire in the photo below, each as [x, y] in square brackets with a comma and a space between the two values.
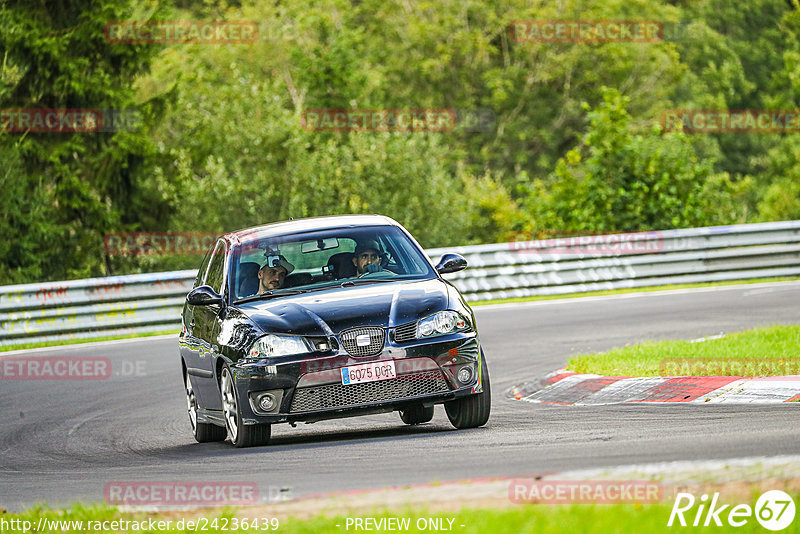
[472, 411]
[240, 435]
[203, 432]
[417, 414]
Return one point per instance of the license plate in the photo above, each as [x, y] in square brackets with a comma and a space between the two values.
[368, 372]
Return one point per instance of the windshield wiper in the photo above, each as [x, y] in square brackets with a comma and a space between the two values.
[360, 281]
[272, 294]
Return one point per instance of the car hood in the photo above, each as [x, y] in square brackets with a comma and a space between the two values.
[328, 312]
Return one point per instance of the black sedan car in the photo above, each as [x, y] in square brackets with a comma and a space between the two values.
[324, 318]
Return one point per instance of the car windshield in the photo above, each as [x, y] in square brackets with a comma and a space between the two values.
[308, 261]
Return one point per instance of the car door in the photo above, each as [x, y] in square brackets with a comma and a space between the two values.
[206, 331]
[190, 344]
[211, 319]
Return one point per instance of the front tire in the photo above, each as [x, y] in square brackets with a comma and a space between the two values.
[203, 432]
[472, 411]
[417, 414]
[238, 433]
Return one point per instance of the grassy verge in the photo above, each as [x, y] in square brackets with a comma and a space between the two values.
[519, 519]
[529, 518]
[6, 348]
[647, 289]
[771, 351]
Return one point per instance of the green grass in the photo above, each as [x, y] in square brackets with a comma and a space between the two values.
[647, 289]
[6, 348]
[771, 351]
[530, 519]
[517, 519]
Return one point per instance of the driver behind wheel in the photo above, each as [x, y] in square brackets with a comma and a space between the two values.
[367, 257]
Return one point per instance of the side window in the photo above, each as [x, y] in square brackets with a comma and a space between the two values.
[216, 268]
[198, 281]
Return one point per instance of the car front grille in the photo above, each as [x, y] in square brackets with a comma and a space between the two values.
[334, 396]
[350, 340]
[406, 332]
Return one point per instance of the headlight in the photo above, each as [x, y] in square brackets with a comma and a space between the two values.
[439, 324]
[272, 345]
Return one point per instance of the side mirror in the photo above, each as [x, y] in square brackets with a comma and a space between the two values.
[203, 296]
[451, 263]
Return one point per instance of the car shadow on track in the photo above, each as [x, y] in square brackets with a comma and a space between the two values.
[309, 437]
[308, 440]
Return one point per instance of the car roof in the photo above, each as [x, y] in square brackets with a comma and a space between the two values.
[308, 225]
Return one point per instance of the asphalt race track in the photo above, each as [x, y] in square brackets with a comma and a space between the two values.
[62, 441]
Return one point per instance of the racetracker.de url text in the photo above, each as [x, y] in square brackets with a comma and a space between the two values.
[202, 524]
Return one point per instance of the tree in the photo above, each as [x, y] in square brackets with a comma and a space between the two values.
[615, 180]
[83, 184]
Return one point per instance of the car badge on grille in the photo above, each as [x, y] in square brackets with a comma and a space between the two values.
[363, 340]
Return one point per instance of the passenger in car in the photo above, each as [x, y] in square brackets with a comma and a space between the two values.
[273, 277]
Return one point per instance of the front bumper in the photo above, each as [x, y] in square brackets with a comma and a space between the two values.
[310, 388]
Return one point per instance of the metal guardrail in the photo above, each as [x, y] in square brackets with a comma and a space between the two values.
[591, 263]
[96, 307]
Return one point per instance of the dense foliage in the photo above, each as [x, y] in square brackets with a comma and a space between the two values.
[574, 144]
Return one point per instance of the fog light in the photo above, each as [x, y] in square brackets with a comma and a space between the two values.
[266, 402]
[464, 374]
